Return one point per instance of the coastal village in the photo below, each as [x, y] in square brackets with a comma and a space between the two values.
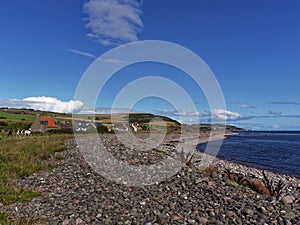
[43, 124]
[28, 122]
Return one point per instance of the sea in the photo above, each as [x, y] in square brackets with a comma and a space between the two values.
[276, 151]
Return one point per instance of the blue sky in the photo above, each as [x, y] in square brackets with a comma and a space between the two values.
[252, 47]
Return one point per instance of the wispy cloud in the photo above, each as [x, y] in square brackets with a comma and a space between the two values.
[113, 22]
[82, 53]
[178, 113]
[43, 103]
[223, 115]
[276, 113]
[246, 106]
[291, 116]
[216, 114]
[285, 103]
[106, 110]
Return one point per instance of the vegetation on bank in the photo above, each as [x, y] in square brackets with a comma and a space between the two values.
[21, 157]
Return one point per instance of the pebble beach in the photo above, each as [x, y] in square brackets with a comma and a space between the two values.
[73, 193]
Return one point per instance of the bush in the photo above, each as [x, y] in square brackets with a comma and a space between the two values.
[3, 124]
[102, 129]
[61, 131]
[19, 126]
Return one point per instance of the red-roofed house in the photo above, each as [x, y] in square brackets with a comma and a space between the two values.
[43, 124]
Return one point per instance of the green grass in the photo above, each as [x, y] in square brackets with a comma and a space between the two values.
[59, 157]
[21, 157]
[12, 116]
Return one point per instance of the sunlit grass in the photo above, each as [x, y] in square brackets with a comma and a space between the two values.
[20, 157]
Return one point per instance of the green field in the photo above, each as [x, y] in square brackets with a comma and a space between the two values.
[11, 116]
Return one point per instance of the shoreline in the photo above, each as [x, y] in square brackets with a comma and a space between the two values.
[292, 183]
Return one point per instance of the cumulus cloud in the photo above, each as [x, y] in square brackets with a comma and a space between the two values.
[78, 52]
[225, 115]
[44, 103]
[113, 22]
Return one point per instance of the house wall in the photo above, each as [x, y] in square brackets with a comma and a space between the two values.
[36, 127]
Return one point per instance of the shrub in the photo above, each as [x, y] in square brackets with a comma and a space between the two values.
[4, 124]
[274, 188]
[102, 129]
[61, 131]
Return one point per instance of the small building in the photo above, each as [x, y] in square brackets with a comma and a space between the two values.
[43, 124]
[136, 127]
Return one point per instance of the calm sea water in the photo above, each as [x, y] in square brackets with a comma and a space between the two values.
[275, 151]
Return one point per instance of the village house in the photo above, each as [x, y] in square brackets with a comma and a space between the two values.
[43, 124]
[125, 128]
[136, 127]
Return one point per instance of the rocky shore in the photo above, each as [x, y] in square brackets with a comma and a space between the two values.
[73, 193]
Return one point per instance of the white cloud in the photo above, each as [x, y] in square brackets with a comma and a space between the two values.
[107, 110]
[223, 115]
[44, 103]
[246, 106]
[216, 114]
[187, 113]
[82, 53]
[275, 113]
[285, 103]
[113, 22]
[179, 113]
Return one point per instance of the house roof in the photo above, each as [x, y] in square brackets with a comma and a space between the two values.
[51, 121]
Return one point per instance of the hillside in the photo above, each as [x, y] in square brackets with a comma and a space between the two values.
[23, 118]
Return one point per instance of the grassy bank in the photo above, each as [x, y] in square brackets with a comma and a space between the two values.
[21, 157]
